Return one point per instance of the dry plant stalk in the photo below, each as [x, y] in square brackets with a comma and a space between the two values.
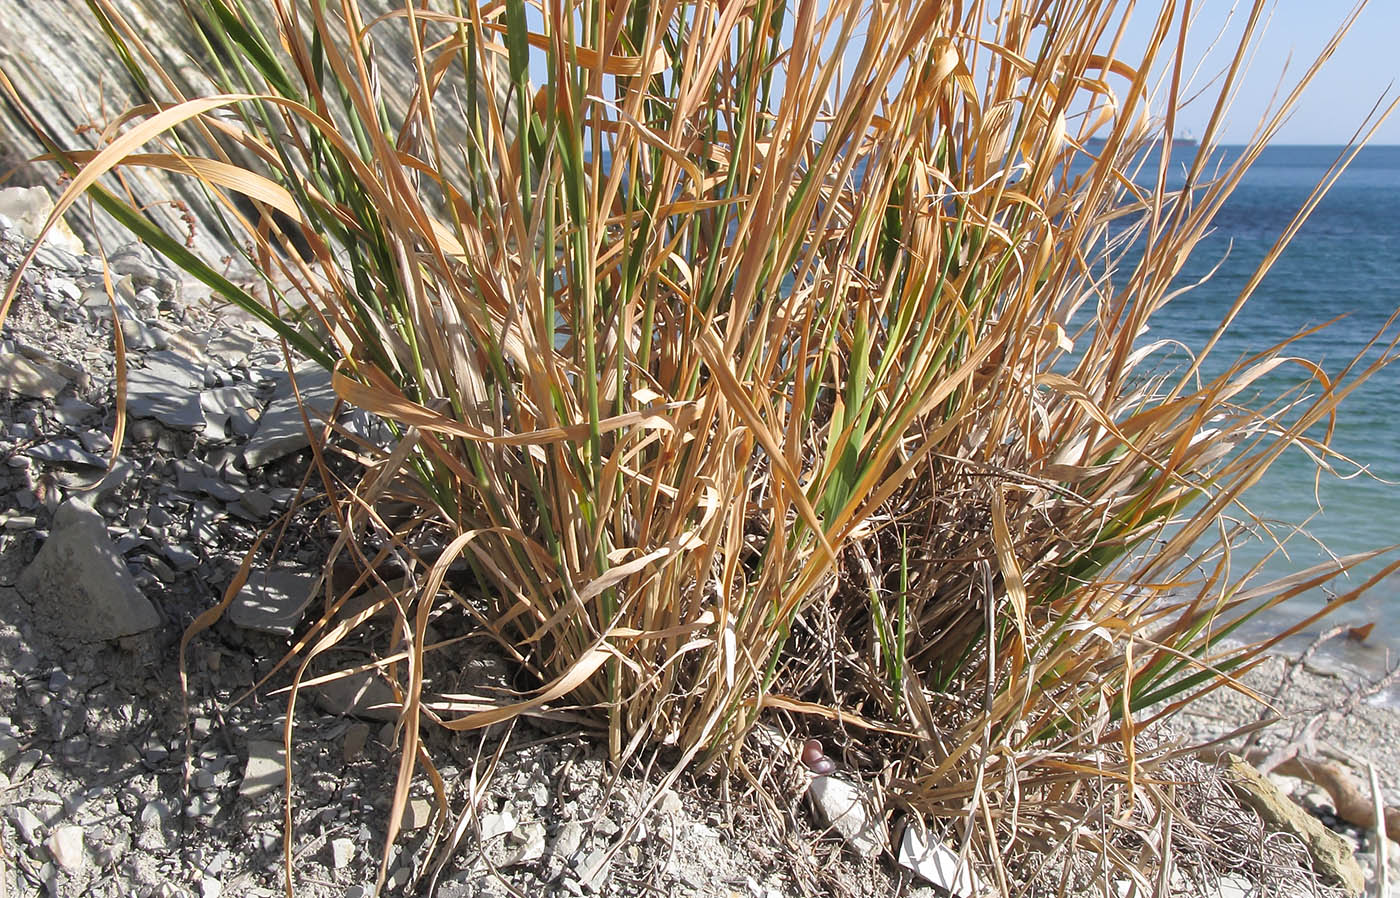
[763, 355]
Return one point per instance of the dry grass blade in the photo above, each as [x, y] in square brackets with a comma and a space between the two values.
[762, 356]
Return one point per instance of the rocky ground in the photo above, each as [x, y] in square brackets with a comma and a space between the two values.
[1329, 713]
[114, 781]
[106, 792]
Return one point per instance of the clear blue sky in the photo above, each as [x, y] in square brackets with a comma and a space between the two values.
[1341, 95]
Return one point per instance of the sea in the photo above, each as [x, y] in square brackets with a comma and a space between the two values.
[1342, 269]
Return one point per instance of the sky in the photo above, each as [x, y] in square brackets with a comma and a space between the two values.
[1365, 67]
[1339, 98]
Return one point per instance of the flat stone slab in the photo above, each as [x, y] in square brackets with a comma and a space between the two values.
[282, 431]
[272, 601]
[167, 389]
[264, 770]
[27, 378]
[79, 583]
[363, 695]
[65, 452]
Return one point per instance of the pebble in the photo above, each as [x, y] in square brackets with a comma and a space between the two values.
[81, 581]
[364, 695]
[58, 680]
[25, 763]
[417, 814]
[65, 845]
[26, 823]
[180, 557]
[167, 389]
[567, 840]
[849, 809]
[669, 803]
[342, 852]
[493, 825]
[281, 429]
[356, 736]
[74, 411]
[532, 843]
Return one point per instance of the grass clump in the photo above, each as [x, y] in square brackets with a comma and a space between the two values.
[755, 355]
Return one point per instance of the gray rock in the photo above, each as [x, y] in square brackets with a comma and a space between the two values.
[531, 837]
[27, 208]
[180, 557]
[363, 695]
[28, 378]
[458, 886]
[593, 871]
[80, 582]
[146, 270]
[493, 825]
[26, 761]
[220, 489]
[167, 389]
[272, 601]
[231, 348]
[95, 441]
[850, 810]
[72, 412]
[244, 422]
[111, 480]
[65, 452]
[27, 824]
[281, 429]
[203, 518]
[567, 841]
[356, 738]
[9, 745]
[64, 287]
[142, 336]
[256, 503]
[264, 770]
[65, 845]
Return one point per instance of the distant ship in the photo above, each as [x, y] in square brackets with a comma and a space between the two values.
[1186, 139]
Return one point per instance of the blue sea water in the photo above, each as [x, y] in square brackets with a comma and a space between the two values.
[1345, 261]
